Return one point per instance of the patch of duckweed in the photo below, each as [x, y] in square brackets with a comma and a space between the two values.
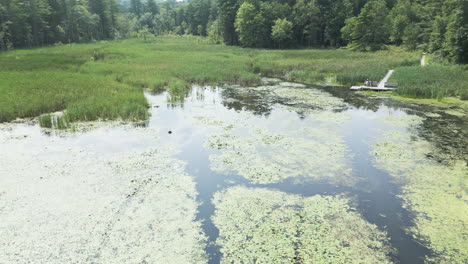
[265, 226]
[309, 98]
[264, 88]
[62, 203]
[264, 157]
[159, 214]
[455, 113]
[435, 192]
[403, 121]
[433, 115]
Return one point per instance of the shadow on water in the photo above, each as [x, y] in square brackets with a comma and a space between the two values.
[375, 195]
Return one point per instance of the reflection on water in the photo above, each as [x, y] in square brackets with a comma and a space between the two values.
[211, 111]
[375, 195]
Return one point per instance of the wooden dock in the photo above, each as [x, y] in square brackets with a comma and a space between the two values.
[383, 85]
[371, 88]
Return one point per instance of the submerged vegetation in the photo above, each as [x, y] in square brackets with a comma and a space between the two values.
[435, 191]
[265, 226]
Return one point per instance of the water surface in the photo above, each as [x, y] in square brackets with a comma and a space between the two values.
[209, 111]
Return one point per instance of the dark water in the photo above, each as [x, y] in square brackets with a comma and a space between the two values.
[375, 196]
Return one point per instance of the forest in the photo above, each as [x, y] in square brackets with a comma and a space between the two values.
[435, 26]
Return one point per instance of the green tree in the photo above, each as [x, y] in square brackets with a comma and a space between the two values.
[410, 36]
[456, 36]
[136, 7]
[370, 30]
[102, 8]
[227, 17]
[214, 33]
[401, 16]
[83, 26]
[250, 25]
[306, 21]
[5, 36]
[282, 32]
[152, 7]
[19, 24]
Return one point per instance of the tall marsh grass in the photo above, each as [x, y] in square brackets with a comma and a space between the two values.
[434, 81]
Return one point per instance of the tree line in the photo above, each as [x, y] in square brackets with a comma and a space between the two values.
[436, 26]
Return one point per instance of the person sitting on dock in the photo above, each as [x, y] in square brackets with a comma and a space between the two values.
[367, 82]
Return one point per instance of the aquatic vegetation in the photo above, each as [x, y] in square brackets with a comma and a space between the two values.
[264, 157]
[432, 115]
[291, 85]
[178, 90]
[308, 98]
[62, 203]
[265, 226]
[436, 192]
[45, 120]
[455, 113]
[403, 121]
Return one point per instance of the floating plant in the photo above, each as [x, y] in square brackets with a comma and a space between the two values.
[436, 192]
[264, 157]
[266, 226]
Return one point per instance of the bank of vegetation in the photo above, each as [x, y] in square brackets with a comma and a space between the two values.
[105, 80]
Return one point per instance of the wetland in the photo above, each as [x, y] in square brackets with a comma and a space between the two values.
[282, 172]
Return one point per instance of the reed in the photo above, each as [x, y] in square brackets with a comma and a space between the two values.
[105, 80]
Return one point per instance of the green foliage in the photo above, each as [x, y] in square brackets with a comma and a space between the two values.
[227, 17]
[370, 30]
[282, 32]
[456, 36]
[250, 25]
[306, 21]
[432, 25]
[214, 33]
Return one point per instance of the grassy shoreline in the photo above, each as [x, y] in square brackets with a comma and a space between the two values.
[104, 80]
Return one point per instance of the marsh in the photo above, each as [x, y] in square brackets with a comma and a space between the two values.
[282, 172]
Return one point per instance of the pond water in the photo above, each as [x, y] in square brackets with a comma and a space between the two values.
[283, 141]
